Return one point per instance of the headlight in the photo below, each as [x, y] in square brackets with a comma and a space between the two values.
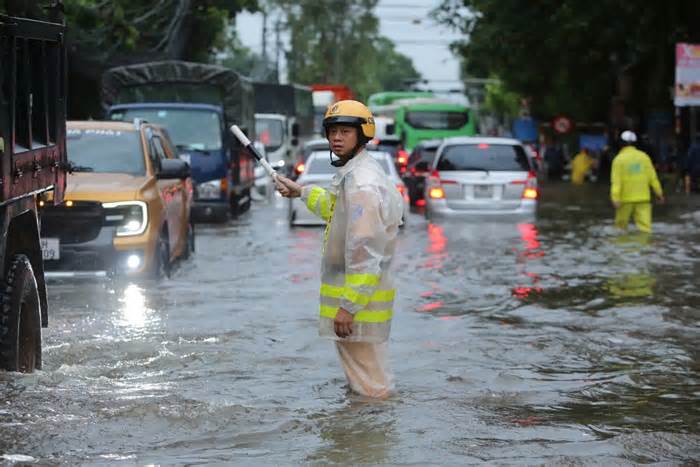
[130, 217]
[209, 190]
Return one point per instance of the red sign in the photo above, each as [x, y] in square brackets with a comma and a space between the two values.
[562, 124]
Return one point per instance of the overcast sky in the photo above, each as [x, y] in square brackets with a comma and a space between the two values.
[405, 22]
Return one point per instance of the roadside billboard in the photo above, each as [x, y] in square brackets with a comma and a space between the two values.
[687, 92]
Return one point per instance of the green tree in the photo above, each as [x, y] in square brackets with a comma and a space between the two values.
[105, 33]
[570, 56]
[338, 41]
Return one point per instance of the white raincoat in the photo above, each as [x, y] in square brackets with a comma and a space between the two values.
[363, 210]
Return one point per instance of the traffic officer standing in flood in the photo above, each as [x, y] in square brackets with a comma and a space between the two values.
[632, 177]
[363, 211]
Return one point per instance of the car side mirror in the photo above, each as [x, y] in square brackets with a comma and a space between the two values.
[295, 130]
[295, 141]
[390, 129]
[173, 169]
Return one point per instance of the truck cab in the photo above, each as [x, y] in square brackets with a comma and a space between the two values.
[198, 132]
[32, 170]
[196, 103]
[280, 135]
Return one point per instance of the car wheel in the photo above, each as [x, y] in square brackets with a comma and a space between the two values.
[161, 266]
[20, 318]
[235, 208]
[247, 204]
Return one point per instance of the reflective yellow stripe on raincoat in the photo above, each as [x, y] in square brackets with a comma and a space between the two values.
[631, 177]
[363, 210]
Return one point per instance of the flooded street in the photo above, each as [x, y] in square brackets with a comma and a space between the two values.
[554, 341]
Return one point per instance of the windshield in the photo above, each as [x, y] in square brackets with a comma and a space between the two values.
[192, 129]
[270, 132]
[437, 120]
[489, 157]
[106, 151]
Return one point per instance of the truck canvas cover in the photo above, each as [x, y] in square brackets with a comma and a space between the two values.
[186, 82]
[286, 99]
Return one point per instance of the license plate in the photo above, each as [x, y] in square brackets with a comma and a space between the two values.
[483, 191]
[50, 249]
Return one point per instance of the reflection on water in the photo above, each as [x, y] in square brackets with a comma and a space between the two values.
[363, 432]
[634, 285]
[531, 251]
[134, 313]
[549, 342]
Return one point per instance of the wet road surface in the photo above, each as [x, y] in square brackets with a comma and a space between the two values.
[554, 341]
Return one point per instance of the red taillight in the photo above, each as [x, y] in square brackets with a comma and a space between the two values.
[483, 146]
[402, 157]
[530, 193]
[420, 203]
[437, 193]
[299, 169]
[401, 188]
[435, 190]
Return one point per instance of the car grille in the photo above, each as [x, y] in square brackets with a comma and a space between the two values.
[78, 223]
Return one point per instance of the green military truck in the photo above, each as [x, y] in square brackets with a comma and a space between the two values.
[32, 172]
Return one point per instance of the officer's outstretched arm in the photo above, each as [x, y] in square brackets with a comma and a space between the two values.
[365, 243]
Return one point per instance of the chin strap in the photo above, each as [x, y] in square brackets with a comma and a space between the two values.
[341, 162]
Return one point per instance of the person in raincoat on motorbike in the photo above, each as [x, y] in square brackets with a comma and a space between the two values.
[363, 211]
[632, 177]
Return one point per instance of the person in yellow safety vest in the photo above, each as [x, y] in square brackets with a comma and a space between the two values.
[580, 166]
[363, 211]
[631, 177]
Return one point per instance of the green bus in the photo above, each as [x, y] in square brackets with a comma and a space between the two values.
[387, 98]
[422, 119]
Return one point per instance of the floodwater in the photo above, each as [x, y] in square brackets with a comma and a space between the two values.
[555, 341]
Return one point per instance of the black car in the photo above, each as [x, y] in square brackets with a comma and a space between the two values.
[419, 163]
[394, 147]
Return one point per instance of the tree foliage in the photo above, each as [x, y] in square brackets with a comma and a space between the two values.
[179, 29]
[570, 56]
[105, 33]
[338, 41]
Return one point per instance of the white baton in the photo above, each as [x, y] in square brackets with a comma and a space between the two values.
[249, 146]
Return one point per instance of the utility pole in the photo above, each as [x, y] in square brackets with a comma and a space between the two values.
[264, 36]
[278, 47]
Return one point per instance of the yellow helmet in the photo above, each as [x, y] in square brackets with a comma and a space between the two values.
[352, 113]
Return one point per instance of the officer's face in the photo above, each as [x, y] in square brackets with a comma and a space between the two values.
[342, 139]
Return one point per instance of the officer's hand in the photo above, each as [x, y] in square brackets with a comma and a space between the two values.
[661, 199]
[287, 187]
[616, 204]
[343, 323]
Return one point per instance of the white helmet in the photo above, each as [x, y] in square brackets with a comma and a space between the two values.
[628, 136]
